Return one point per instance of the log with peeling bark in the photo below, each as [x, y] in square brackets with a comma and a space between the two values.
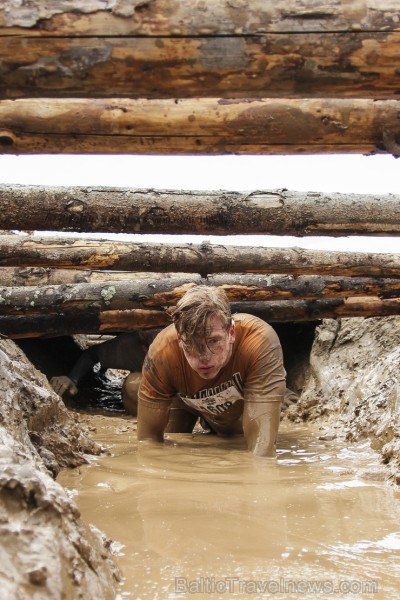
[95, 321]
[314, 310]
[199, 126]
[77, 256]
[126, 210]
[84, 298]
[169, 48]
[160, 17]
[115, 321]
[31, 276]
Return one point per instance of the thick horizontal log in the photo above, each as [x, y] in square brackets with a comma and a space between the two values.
[97, 321]
[125, 210]
[292, 65]
[166, 17]
[286, 287]
[109, 321]
[199, 126]
[234, 49]
[31, 276]
[315, 310]
[78, 255]
[89, 297]
[150, 293]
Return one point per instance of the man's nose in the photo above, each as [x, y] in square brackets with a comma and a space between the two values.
[204, 352]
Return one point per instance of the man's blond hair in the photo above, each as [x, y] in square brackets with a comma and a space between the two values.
[193, 311]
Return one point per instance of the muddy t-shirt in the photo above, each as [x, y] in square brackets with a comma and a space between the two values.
[254, 373]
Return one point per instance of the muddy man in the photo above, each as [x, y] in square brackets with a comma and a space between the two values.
[126, 351]
[228, 370]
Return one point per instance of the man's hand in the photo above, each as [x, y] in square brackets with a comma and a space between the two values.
[63, 384]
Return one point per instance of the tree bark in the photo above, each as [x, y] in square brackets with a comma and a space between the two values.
[77, 255]
[114, 321]
[161, 17]
[160, 49]
[198, 126]
[149, 293]
[86, 297]
[125, 210]
[31, 276]
[287, 311]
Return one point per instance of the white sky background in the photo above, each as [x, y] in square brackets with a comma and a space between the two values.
[319, 173]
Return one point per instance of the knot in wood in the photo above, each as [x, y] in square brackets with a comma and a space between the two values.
[74, 206]
[7, 138]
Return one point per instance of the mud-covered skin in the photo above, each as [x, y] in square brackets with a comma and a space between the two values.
[243, 397]
[130, 391]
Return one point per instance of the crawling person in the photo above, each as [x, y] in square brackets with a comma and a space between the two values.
[126, 351]
[228, 370]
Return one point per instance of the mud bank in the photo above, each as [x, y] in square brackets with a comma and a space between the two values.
[45, 547]
[353, 386]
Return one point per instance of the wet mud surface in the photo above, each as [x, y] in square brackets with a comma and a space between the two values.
[201, 518]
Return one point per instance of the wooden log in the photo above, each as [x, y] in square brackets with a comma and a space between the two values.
[150, 293]
[95, 321]
[314, 310]
[111, 321]
[86, 297]
[287, 287]
[159, 49]
[77, 256]
[31, 276]
[124, 210]
[198, 126]
[163, 17]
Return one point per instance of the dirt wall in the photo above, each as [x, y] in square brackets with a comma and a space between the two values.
[46, 550]
[353, 385]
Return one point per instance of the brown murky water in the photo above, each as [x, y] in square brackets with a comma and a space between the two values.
[201, 518]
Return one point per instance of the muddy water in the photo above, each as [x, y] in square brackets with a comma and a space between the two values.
[201, 518]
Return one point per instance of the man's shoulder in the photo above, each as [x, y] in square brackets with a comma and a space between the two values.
[162, 354]
[248, 321]
[165, 338]
[250, 326]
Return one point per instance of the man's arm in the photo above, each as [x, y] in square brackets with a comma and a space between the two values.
[125, 351]
[156, 391]
[263, 395]
[260, 426]
[69, 383]
[152, 421]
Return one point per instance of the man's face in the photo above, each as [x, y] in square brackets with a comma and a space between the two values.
[214, 351]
